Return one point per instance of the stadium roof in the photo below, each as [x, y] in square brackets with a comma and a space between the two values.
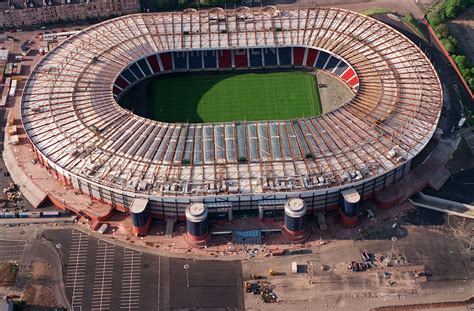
[71, 116]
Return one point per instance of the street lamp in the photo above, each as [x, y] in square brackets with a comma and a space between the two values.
[58, 246]
[394, 239]
[186, 268]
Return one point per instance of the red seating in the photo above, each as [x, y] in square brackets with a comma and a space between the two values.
[153, 61]
[348, 74]
[166, 61]
[116, 91]
[240, 58]
[311, 57]
[298, 56]
[121, 83]
[354, 81]
[225, 59]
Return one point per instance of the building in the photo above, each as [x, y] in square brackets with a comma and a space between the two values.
[115, 156]
[27, 13]
[6, 305]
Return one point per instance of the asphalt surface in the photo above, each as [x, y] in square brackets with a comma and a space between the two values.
[100, 275]
[458, 187]
[12, 250]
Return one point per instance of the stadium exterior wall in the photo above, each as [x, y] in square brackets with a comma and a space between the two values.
[173, 206]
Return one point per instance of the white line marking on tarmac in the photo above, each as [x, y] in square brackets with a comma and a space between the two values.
[103, 281]
[131, 280]
[159, 281]
[78, 252]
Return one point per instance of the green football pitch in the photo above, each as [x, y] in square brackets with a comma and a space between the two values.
[234, 97]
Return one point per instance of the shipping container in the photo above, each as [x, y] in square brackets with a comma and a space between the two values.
[9, 215]
[24, 214]
[29, 214]
[9, 69]
[2, 73]
[50, 214]
[12, 91]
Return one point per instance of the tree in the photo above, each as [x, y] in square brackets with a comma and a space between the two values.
[436, 15]
[449, 44]
[465, 73]
[460, 60]
[471, 83]
[454, 7]
[441, 31]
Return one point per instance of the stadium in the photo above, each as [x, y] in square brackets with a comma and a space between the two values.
[220, 166]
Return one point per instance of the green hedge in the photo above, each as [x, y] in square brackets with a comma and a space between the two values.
[437, 16]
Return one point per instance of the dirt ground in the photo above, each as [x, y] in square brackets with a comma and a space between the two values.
[38, 292]
[426, 241]
[462, 28]
[334, 94]
[7, 274]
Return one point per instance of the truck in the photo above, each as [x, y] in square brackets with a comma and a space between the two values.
[12, 91]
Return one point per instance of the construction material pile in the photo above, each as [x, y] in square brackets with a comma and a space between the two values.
[263, 289]
[12, 192]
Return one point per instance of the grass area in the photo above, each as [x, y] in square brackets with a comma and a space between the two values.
[234, 97]
[413, 24]
[375, 11]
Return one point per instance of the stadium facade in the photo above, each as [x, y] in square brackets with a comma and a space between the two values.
[83, 137]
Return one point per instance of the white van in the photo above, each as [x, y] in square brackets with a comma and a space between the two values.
[103, 228]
